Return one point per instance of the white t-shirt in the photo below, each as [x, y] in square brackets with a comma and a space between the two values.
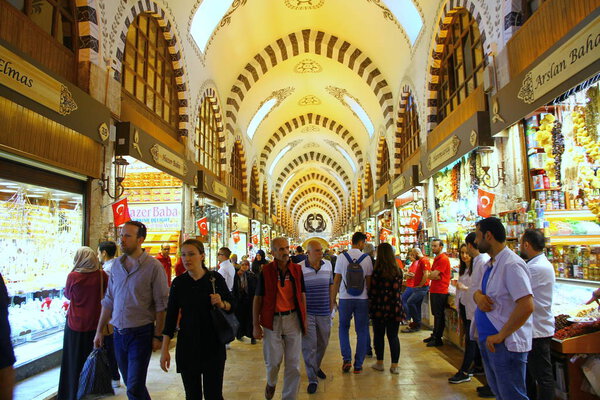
[227, 270]
[108, 265]
[542, 284]
[340, 268]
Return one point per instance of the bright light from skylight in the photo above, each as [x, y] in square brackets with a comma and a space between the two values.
[259, 116]
[287, 180]
[358, 110]
[206, 19]
[407, 15]
[276, 160]
[346, 156]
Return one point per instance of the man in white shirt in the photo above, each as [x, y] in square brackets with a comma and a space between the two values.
[226, 268]
[350, 305]
[540, 379]
[503, 316]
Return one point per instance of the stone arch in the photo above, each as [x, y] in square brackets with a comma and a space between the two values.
[315, 176]
[254, 185]
[315, 42]
[313, 190]
[308, 119]
[449, 10]
[312, 201]
[383, 150]
[369, 189]
[405, 94]
[88, 31]
[311, 156]
[238, 149]
[149, 6]
[304, 209]
[318, 188]
[210, 95]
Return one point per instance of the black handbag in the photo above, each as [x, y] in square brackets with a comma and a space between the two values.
[226, 324]
[95, 377]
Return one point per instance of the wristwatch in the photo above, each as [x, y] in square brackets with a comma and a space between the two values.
[159, 338]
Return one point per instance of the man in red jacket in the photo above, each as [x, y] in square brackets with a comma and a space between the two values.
[165, 260]
[280, 308]
[438, 292]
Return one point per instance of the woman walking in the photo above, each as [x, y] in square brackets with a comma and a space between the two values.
[244, 287]
[200, 356]
[465, 304]
[259, 260]
[85, 288]
[385, 305]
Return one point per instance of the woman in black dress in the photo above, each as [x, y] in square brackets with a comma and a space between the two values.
[244, 287]
[200, 356]
[259, 260]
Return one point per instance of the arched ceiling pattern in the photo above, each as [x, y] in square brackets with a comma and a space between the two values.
[311, 156]
[316, 179]
[314, 190]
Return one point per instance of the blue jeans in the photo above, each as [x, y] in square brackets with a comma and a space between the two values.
[133, 348]
[505, 372]
[358, 308]
[413, 302]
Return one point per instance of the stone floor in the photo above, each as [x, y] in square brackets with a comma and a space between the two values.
[423, 375]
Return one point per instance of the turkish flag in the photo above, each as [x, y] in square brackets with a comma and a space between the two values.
[121, 212]
[236, 237]
[255, 239]
[203, 226]
[383, 234]
[369, 236]
[414, 221]
[485, 202]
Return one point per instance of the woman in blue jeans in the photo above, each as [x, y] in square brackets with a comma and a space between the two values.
[417, 286]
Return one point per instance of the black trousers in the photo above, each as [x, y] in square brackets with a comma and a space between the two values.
[438, 305]
[382, 328]
[209, 381]
[472, 354]
[540, 378]
[77, 346]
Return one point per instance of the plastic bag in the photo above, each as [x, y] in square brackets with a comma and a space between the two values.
[95, 378]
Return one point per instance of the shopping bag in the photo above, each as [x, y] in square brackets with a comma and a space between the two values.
[95, 378]
[226, 324]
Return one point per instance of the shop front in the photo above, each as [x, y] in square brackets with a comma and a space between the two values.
[554, 101]
[51, 148]
[256, 230]
[382, 214]
[211, 212]
[240, 228]
[265, 234]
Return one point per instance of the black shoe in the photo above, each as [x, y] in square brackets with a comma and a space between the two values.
[460, 377]
[269, 392]
[312, 388]
[252, 341]
[480, 388]
[321, 374]
[435, 343]
[427, 340]
[370, 354]
[346, 365]
[486, 393]
[476, 371]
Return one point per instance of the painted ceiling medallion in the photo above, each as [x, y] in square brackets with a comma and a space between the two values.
[226, 20]
[309, 100]
[308, 66]
[387, 13]
[300, 5]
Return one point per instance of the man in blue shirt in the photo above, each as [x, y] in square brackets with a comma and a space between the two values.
[318, 281]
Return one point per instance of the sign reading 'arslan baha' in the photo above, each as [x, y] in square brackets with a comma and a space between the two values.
[22, 77]
[573, 56]
[443, 152]
[168, 160]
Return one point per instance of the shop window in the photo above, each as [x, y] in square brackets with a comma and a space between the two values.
[409, 130]
[384, 169]
[254, 186]
[462, 64]
[148, 70]
[207, 136]
[55, 17]
[236, 180]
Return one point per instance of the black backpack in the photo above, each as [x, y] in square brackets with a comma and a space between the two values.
[355, 276]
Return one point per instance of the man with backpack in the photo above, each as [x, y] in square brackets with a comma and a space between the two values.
[353, 271]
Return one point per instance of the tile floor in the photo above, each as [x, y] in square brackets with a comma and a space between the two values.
[423, 375]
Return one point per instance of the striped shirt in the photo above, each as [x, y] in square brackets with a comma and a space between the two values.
[317, 285]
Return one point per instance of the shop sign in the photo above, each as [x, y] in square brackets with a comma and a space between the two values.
[260, 216]
[168, 160]
[239, 222]
[364, 214]
[157, 217]
[376, 207]
[443, 152]
[398, 185]
[210, 185]
[573, 56]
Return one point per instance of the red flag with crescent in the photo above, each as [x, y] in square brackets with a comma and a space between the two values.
[485, 202]
[369, 236]
[121, 212]
[255, 239]
[383, 234]
[203, 226]
[236, 237]
[414, 221]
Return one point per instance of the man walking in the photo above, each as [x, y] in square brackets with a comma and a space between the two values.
[136, 298]
[503, 316]
[353, 271]
[226, 268]
[319, 284]
[165, 260]
[540, 379]
[280, 308]
[438, 292]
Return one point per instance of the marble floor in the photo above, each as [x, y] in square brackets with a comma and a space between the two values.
[423, 375]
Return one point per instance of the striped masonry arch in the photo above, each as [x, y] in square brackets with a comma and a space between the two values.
[382, 151]
[318, 188]
[319, 178]
[239, 152]
[305, 209]
[312, 201]
[404, 96]
[88, 32]
[307, 157]
[315, 192]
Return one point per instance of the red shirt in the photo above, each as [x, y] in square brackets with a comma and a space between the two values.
[166, 262]
[422, 266]
[410, 282]
[83, 289]
[441, 263]
[179, 268]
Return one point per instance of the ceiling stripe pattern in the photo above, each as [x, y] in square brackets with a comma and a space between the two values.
[404, 95]
[315, 42]
[311, 201]
[311, 156]
[314, 190]
[319, 178]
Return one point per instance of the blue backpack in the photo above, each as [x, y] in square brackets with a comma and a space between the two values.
[355, 276]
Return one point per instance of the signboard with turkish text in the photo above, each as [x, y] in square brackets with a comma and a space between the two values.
[157, 217]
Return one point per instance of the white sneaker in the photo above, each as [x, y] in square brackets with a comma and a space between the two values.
[227, 346]
[116, 383]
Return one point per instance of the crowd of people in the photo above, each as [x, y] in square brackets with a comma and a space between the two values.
[130, 306]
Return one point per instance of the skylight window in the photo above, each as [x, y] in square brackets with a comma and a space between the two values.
[276, 160]
[206, 19]
[362, 115]
[407, 15]
[259, 116]
[346, 156]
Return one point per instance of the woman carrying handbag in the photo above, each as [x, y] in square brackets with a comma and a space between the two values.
[200, 354]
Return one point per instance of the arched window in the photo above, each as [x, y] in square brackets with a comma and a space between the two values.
[409, 130]
[148, 70]
[55, 17]
[207, 137]
[273, 206]
[368, 181]
[384, 168]
[254, 185]
[236, 179]
[265, 199]
[462, 64]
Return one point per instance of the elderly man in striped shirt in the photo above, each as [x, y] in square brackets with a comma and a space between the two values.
[318, 280]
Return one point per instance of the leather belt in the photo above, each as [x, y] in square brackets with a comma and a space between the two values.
[285, 312]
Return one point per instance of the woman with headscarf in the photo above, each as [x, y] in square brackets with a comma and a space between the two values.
[85, 288]
[259, 261]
